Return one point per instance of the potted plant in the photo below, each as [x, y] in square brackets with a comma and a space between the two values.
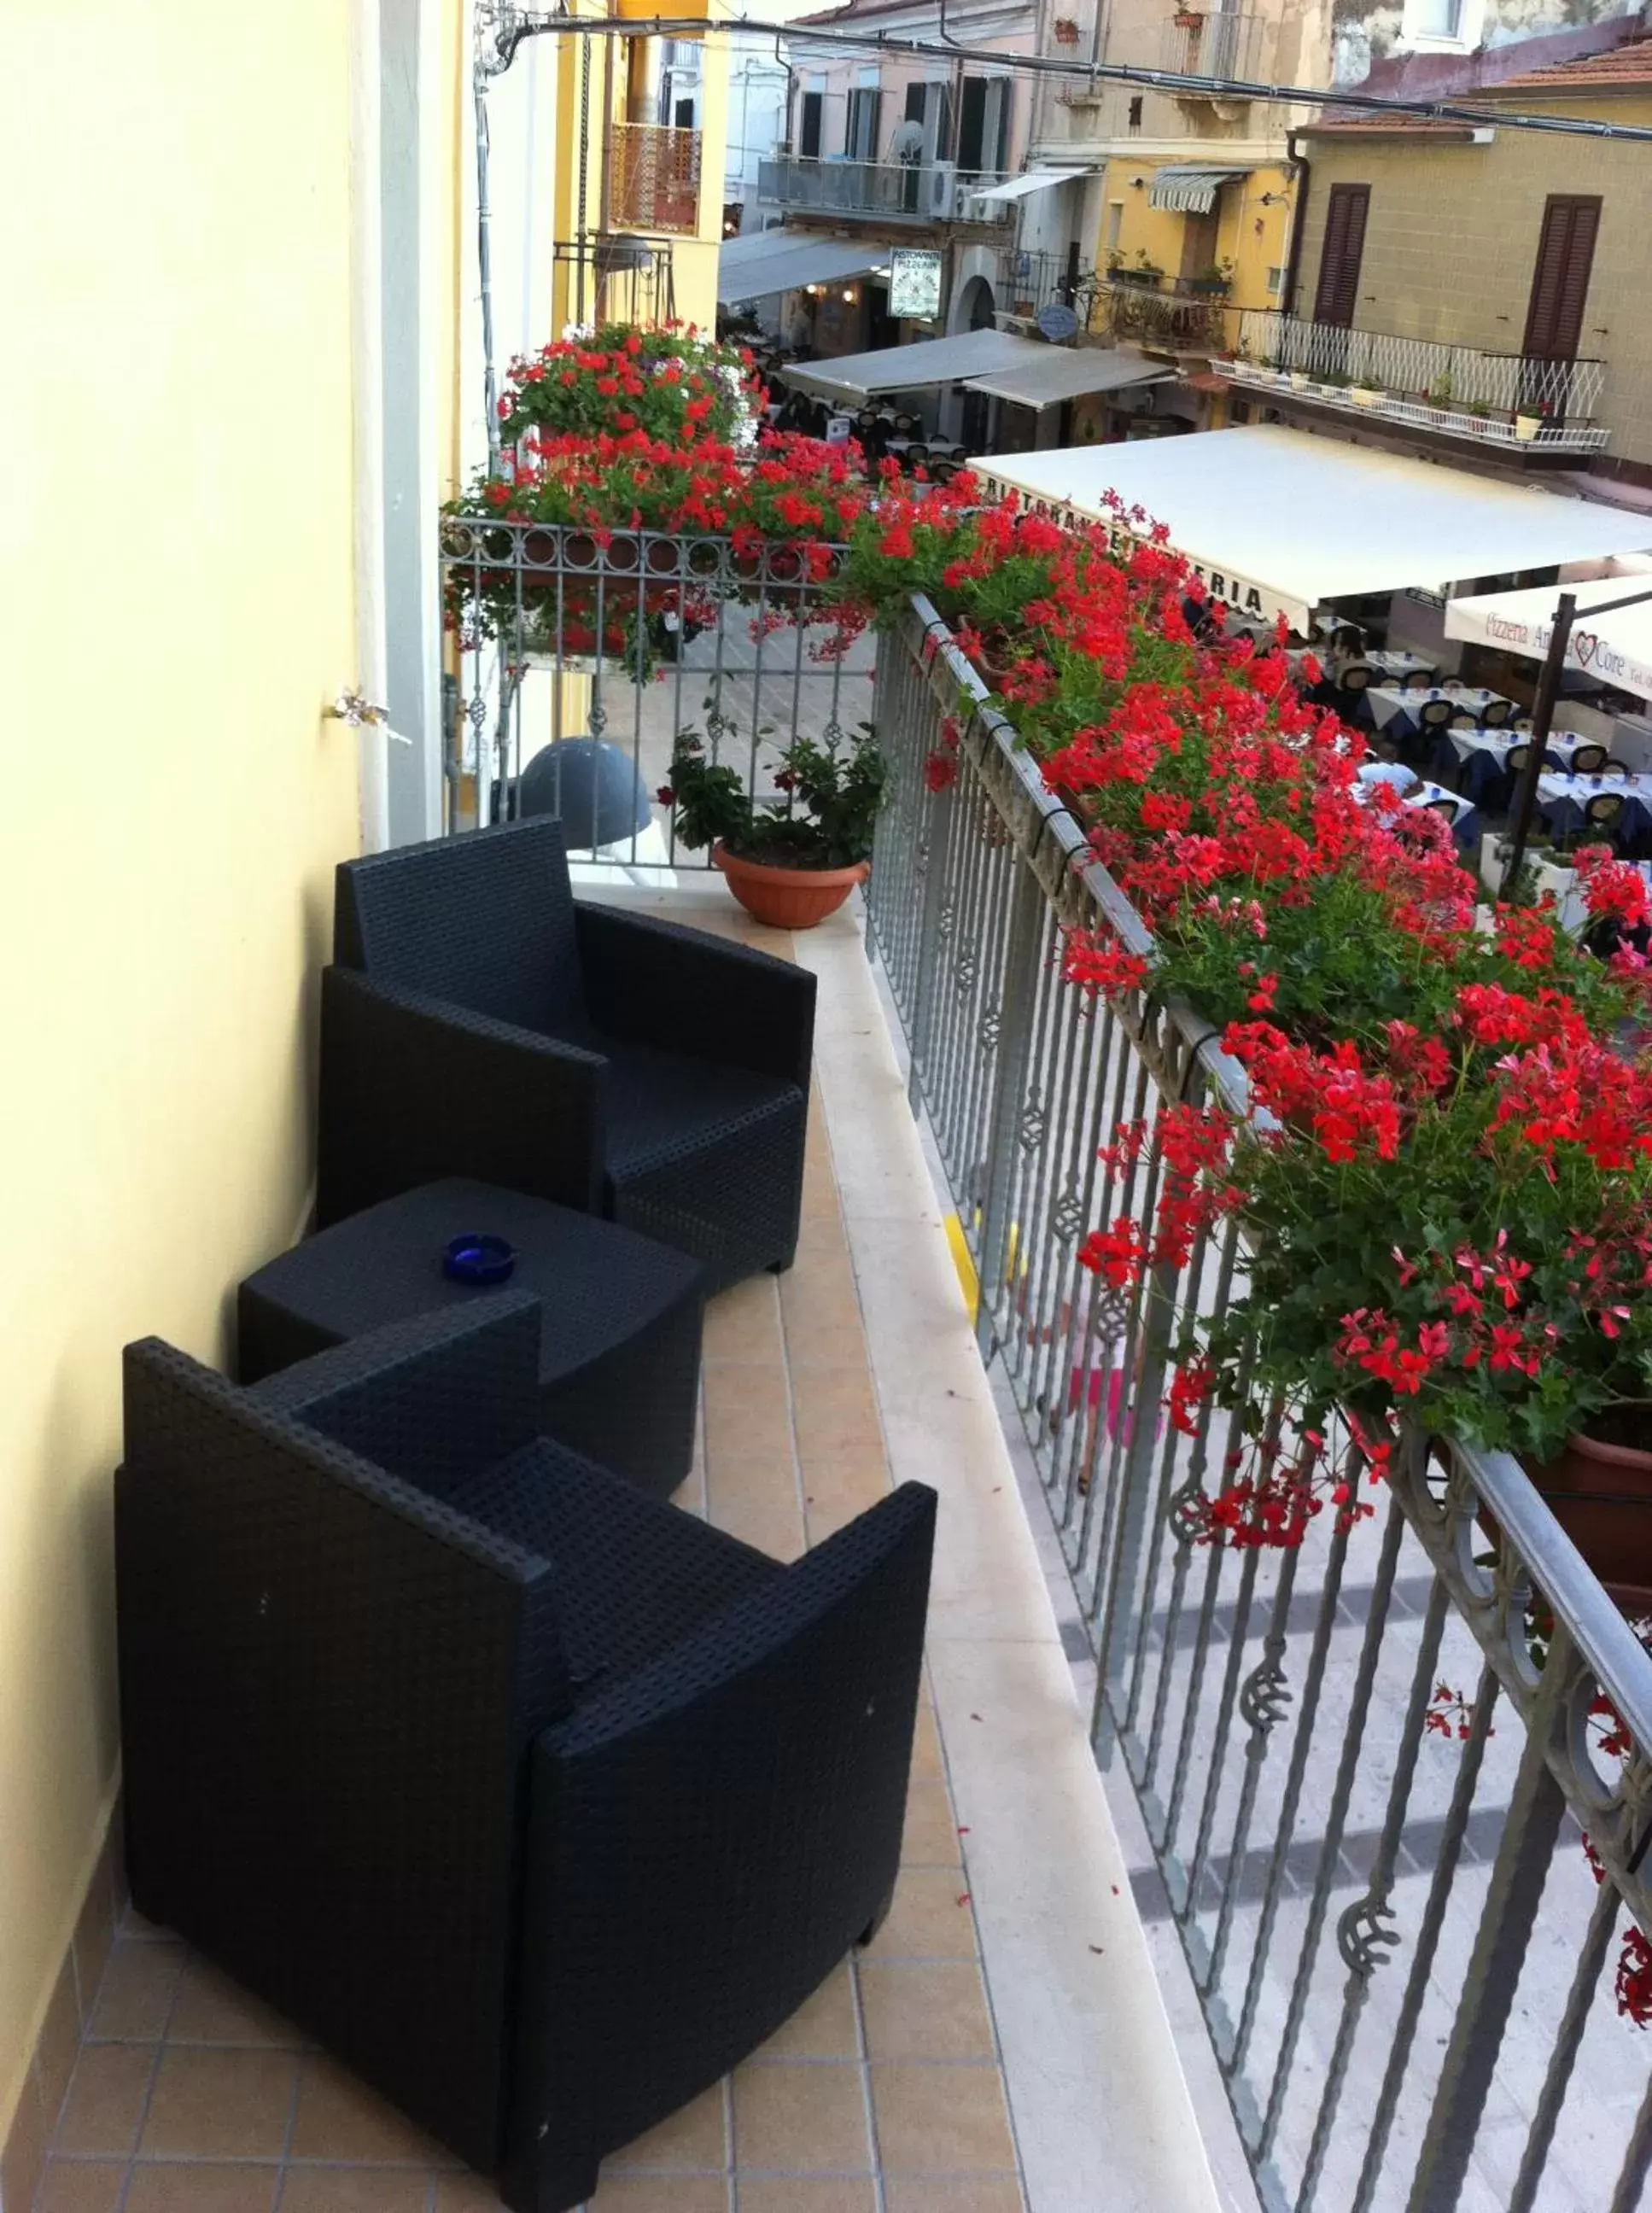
[1145, 271]
[1212, 283]
[794, 860]
[1527, 422]
[1364, 395]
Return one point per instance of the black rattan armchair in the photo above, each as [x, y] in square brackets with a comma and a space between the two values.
[539, 1803]
[480, 1021]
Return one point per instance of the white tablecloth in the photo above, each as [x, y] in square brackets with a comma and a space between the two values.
[1561, 745]
[1388, 703]
[1397, 664]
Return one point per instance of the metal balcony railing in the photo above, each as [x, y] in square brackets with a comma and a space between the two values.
[653, 178]
[1164, 319]
[1029, 281]
[661, 633]
[1405, 1961]
[927, 191]
[1212, 42]
[1493, 399]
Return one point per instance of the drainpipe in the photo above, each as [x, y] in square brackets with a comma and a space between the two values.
[1301, 176]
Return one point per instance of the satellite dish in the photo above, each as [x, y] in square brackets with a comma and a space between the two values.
[906, 141]
[1058, 322]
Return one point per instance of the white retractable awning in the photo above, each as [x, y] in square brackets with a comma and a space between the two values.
[791, 262]
[909, 368]
[1277, 521]
[1615, 649]
[1053, 372]
[1189, 190]
[1035, 181]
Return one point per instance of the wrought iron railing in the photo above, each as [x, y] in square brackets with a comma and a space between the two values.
[1500, 398]
[915, 191]
[1168, 320]
[1405, 1961]
[618, 279]
[653, 178]
[554, 636]
[1028, 281]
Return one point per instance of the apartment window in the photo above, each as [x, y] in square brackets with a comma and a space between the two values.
[682, 115]
[930, 107]
[860, 134]
[1560, 281]
[1276, 280]
[1432, 19]
[1115, 224]
[808, 135]
[1335, 298]
[983, 122]
[1134, 118]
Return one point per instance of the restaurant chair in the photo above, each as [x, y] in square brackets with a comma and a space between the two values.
[1418, 679]
[1588, 759]
[1603, 816]
[1495, 715]
[943, 471]
[917, 455]
[1449, 807]
[1464, 718]
[479, 1021]
[1611, 767]
[539, 1803]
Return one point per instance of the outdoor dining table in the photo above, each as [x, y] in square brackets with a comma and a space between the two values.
[1561, 800]
[1392, 663]
[1475, 757]
[1390, 705]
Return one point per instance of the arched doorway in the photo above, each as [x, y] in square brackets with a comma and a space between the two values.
[975, 312]
[975, 307]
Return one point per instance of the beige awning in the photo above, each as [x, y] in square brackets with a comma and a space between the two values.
[851, 377]
[1054, 373]
[1188, 190]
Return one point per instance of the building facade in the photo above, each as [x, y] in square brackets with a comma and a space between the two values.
[1477, 292]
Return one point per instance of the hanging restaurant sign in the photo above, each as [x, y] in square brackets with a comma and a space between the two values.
[915, 283]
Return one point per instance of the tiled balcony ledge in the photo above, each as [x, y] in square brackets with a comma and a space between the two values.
[1003, 2045]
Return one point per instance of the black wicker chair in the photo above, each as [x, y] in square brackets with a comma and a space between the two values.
[479, 1021]
[539, 1803]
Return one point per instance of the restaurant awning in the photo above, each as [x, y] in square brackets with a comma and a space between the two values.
[787, 261]
[908, 369]
[1053, 372]
[1277, 521]
[1187, 189]
[1035, 181]
[1616, 649]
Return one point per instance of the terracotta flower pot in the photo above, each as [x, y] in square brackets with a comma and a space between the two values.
[788, 898]
[1602, 1495]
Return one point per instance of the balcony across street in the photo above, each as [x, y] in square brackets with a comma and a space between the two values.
[897, 191]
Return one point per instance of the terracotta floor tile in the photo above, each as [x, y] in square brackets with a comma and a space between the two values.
[774, 1526]
[855, 1479]
[834, 1411]
[105, 2105]
[159, 2188]
[925, 2009]
[953, 2193]
[661, 2194]
[211, 2009]
[939, 2118]
[467, 2193]
[220, 2105]
[136, 1994]
[697, 2136]
[355, 2190]
[926, 1766]
[747, 1413]
[744, 1324]
[839, 1342]
[823, 2027]
[761, 1475]
[824, 1522]
[82, 2185]
[819, 1297]
[931, 1836]
[339, 2117]
[927, 1921]
[808, 2193]
[802, 2116]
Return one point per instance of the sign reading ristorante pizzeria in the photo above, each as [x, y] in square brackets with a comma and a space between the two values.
[1256, 601]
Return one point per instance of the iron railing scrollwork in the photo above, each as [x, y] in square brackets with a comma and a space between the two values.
[1405, 1961]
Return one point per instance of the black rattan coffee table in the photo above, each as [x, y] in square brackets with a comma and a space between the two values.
[619, 1351]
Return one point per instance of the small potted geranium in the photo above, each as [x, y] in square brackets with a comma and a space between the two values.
[792, 862]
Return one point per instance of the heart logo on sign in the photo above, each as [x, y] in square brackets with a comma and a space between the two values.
[1585, 645]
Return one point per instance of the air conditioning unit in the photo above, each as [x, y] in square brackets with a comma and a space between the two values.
[938, 191]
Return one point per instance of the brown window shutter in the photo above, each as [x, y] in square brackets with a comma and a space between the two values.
[1560, 281]
[1339, 260]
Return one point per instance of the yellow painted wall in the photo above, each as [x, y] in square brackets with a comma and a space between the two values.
[694, 260]
[176, 569]
[1250, 235]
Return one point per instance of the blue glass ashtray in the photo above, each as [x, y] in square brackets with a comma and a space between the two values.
[475, 1259]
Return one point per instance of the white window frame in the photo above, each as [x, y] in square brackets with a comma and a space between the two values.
[1470, 23]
